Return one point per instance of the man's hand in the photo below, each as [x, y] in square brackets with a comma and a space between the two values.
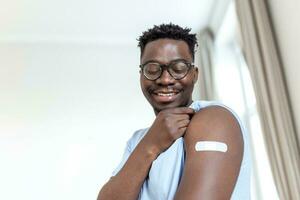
[169, 125]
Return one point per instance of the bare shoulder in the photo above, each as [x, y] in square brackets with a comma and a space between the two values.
[214, 123]
[209, 173]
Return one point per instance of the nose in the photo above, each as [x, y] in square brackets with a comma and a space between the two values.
[165, 78]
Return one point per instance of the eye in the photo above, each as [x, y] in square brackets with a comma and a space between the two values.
[152, 68]
[179, 67]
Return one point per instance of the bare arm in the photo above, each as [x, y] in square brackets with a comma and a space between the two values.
[127, 183]
[168, 126]
[211, 175]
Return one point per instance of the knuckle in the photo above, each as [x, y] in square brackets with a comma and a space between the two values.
[174, 132]
[165, 115]
[186, 116]
[169, 127]
[168, 120]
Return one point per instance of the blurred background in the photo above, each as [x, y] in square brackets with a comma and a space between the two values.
[70, 96]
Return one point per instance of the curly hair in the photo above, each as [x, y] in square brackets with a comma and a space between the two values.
[170, 31]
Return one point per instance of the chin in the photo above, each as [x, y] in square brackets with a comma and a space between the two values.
[162, 106]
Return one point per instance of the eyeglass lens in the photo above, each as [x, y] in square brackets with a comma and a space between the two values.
[177, 70]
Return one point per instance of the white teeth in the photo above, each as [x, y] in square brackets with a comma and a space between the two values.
[165, 94]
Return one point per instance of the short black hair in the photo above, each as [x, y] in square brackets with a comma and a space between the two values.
[170, 31]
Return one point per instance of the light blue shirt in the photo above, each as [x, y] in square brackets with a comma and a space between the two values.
[166, 171]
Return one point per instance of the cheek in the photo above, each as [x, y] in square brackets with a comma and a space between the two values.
[142, 81]
[144, 85]
[188, 88]
[188, 83]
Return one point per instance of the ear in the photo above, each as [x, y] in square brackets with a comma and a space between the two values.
[195, 75]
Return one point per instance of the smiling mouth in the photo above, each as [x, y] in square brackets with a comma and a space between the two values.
[165, 96]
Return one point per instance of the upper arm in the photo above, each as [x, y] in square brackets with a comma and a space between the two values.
[211, 174]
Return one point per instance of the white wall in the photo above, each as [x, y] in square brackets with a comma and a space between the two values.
[68, 79]
[66, 112]
[285, 16]
[59, 103]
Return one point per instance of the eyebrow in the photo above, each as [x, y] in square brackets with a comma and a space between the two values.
[155, 61]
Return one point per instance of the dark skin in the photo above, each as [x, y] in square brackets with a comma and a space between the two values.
[203, 176]
[164, 51]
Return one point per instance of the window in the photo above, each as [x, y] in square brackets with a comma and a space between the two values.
[234, 88]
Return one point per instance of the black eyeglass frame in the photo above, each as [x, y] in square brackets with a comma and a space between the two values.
[167, 67]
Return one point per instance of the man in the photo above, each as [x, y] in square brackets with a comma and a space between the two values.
[193, 150]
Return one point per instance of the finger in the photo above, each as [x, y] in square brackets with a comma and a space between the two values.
[181, 131]
[181, 110]
[179, 117]
[183, 123]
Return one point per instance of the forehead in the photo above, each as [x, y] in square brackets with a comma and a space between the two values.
[166, 50]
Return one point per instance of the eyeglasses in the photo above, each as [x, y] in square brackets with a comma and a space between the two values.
[178, 69]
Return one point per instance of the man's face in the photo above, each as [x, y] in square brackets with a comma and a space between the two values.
[166, 92]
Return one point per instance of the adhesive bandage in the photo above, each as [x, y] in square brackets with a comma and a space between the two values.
[211, 146]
